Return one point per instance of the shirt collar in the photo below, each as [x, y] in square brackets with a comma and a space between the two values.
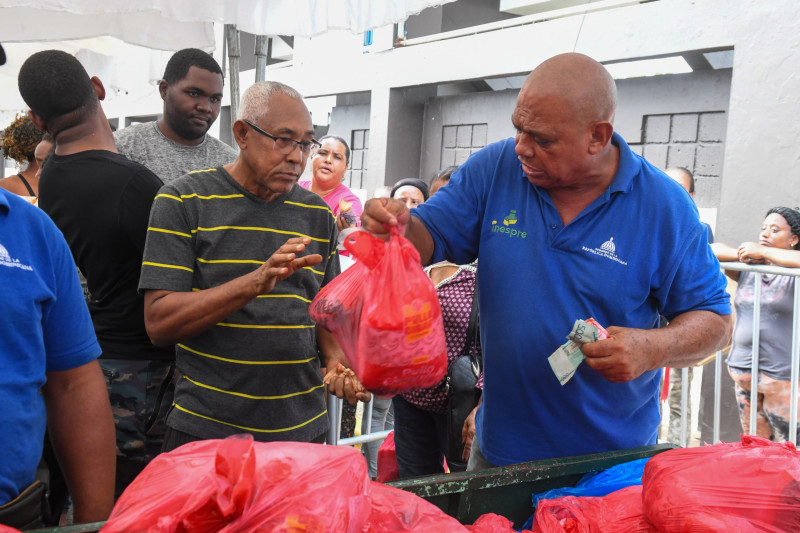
[628, 168]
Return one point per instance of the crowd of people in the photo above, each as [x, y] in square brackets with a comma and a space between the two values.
[201, 261]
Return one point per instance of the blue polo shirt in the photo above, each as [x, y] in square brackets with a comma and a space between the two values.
[45, 327]
[637, 251]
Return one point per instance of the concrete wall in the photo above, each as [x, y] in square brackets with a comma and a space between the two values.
[761, 149]
[660, 96]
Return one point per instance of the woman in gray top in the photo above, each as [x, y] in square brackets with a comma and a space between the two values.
[778, 244]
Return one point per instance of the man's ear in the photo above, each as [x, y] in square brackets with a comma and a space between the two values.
[240, 133]
[601, 133]
[98, 88]
[162, 89]
[38, 121]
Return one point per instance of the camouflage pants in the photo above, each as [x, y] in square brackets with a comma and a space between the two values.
[134, 388]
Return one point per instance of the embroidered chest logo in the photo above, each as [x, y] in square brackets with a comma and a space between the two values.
[608, 250]
[507, 226]
[7, 260]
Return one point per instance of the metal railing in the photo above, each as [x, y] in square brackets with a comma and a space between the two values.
[335, 416]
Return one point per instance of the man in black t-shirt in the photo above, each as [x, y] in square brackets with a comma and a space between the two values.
[101, 202]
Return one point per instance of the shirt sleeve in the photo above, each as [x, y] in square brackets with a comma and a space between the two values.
[696, 283]
[68, 333]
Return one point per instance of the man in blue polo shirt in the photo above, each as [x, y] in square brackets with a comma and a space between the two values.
[48, 353]
[568, 223]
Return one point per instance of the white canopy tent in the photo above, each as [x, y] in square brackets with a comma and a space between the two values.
[114, 28]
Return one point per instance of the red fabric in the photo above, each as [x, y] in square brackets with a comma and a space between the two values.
[748, 486]
[387, 460]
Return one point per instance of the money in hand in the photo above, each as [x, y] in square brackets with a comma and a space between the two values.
[566, 359]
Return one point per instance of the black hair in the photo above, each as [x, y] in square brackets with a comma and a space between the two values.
[444, 174]
[20, 138]
[181, 61]
[344, 143]
[54, 83]
[414, 182]
[792, 217]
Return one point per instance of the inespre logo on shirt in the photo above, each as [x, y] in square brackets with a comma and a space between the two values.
[506, 226]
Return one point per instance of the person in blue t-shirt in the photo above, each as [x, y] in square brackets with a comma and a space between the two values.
[568, 223]
[48, 352]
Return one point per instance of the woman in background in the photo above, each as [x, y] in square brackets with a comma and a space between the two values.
[19, 143]
[413, 191]
[778, 244]
[327, 172]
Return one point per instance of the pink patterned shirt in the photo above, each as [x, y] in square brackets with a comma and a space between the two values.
[455, 297]
[332, 199]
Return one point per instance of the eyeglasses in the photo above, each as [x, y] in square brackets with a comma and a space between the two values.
[285, 145]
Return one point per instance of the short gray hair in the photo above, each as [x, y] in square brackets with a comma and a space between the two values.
[255, 100]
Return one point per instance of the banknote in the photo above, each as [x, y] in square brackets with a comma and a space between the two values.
[566, 359]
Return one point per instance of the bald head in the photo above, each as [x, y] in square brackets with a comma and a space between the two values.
[682, 176]
[580, 82]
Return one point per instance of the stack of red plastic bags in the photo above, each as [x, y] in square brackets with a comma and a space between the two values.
[748, 486]
[239, 485]
[385, 314]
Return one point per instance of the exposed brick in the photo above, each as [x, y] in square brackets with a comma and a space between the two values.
[366, 139]
[681, 155]
[712, 127]
[636, 148]
[356, 159]
[657, 129]
[707, 190]
[449, 136]
[448, 158]
[464, 136]
[479, 135]
[656, 154]
[461, 156]
[709, 159]
[684, 128]
[358, 139]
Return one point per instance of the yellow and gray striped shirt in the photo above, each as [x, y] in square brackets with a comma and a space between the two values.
[256, 371]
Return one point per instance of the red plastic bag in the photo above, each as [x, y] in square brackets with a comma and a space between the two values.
[238, 485]
[618, 512]
[401, 342]
[747, 486]
[493, 523]
[337, 307]
[398, 511]
[387, 460]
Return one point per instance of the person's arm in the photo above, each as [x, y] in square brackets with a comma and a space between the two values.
[752, 252]
[468, 431]
[333, 355]
[630, 352]
[82, 430]
[381, 213]
[726, 254]
[172, 317]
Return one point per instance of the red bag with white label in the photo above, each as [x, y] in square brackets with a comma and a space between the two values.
[401, 342]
